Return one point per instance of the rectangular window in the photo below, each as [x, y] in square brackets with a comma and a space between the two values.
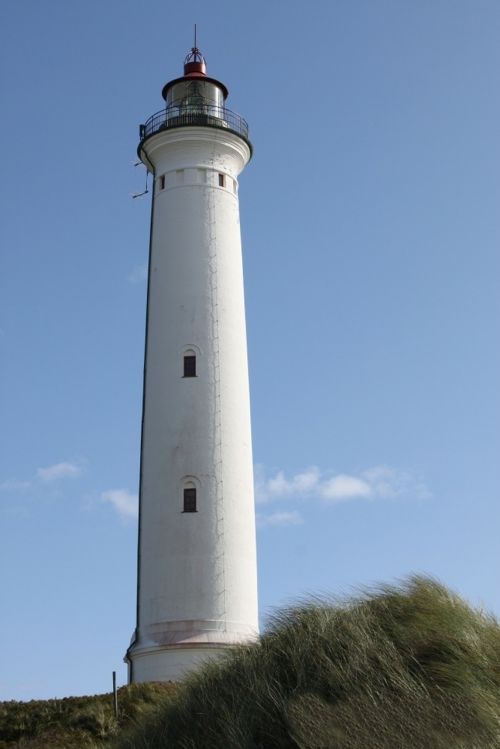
[221, 180]
[162, 182]
[190, 500]
[189, 366]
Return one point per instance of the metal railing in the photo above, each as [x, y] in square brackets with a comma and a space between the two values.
[199, 114]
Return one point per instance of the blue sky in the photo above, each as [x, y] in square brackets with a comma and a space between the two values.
[370, 233]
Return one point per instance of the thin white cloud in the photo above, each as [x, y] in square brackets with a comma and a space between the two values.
[14, 485]
[138, 274]
[303, 483]
[280, 518]
[125, 503]
[390, 482]
[343, 487]
[59, 471]
[381, 482]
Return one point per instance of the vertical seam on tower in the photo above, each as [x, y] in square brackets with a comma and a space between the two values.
[220, 571]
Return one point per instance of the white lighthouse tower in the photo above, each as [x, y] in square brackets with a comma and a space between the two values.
[197, 572]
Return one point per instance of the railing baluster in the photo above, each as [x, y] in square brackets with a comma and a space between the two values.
[208, 115]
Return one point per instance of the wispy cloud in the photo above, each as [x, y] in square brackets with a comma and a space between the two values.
[380, 481]
[344, 487]
[390, 482]
[45, 475]
[302, 483]
[125, 503]
[14, 485]
[138, 274]
[280, 518]
[59, 471]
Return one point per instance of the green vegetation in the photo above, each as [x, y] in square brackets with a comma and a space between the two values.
[77, 722]
[399, 668]
[412, 667]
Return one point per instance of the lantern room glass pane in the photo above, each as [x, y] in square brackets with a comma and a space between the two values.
[195, 96]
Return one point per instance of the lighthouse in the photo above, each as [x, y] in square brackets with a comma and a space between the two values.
[197, 571]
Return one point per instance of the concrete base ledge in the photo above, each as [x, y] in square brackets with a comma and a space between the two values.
[173, 663]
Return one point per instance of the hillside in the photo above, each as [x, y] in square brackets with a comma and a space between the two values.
[411, 667]
[77, 722]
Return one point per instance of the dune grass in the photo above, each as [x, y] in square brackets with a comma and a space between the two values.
[409, 667]
[77, 722]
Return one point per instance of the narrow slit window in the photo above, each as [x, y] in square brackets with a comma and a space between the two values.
[222, 180]
[190, 499]
[162, 182]
[189, 365]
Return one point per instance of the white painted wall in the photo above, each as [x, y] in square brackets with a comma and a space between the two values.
[197, 571]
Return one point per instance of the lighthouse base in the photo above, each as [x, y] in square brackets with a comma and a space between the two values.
[170, 664]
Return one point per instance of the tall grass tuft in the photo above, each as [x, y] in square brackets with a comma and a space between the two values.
[409, 667]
